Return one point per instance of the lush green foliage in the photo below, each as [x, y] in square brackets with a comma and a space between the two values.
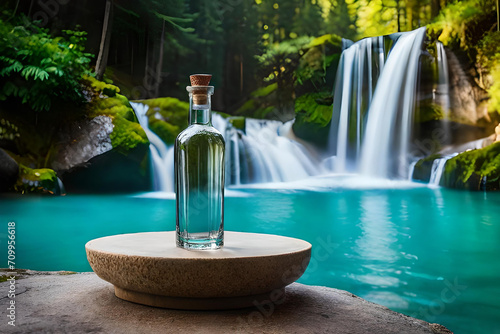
[320, 54]
[38, 69]
[264, 91]
[281, 59]
[262, 103]
[299, 60]
[453, 20]
[313, 115]
[314, 108]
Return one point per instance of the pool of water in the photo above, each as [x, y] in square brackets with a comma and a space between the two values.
[431, 253]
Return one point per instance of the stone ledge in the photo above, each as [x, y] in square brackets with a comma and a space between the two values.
[67, 302]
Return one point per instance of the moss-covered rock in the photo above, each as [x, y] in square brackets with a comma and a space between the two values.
[102, 86]
[313, 113]
[474, 170]
[428, 111]
[423, 168]
[167, 116]
[42, 181]
[119, 157]
[127, 133]
[238, 122]
[262, 103]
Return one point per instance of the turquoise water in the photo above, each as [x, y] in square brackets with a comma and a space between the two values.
[430, 253]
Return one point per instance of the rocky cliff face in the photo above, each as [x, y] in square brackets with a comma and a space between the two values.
[467, 100]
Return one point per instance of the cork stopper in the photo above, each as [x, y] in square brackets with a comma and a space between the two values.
[199, 84]
[200, 79]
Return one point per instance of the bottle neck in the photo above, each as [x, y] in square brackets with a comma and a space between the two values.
[200, 113]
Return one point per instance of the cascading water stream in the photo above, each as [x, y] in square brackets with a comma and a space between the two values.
[438, 168]
[442, 95]
[389, 123]
[162, 156]
[359, 68]
[411, 169]
[374, 100]
[265, 151]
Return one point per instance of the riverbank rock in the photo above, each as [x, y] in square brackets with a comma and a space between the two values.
[9, 170]
[423, 168]
[67, 302]
[474, 170]
[106, 152]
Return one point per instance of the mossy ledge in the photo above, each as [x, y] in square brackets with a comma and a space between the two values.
[423, 167]
[474, 170]
[127, 132]
[167, 117]
[40, 181]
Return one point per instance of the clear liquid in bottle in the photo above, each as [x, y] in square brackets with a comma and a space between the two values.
[199, 177]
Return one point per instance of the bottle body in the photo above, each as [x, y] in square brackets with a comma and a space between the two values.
[199, 178]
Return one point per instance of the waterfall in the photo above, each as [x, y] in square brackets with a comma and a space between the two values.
[265, 151]
[442, 95]
[438, 168]
[162, 156]
[374, 100]
[391, 111]
[359, 67]
[411, 169]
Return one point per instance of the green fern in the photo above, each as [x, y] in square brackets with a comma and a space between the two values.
[39, 70]
[36, 72]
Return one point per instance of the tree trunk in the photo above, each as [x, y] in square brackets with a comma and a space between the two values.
[31, 7]
[102, 58]
[159, 67]
[498, 17]
[435, 8]
[399, 14]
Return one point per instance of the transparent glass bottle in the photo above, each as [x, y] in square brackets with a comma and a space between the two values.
[199, 176]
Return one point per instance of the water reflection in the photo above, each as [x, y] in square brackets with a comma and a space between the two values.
[377, 238]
